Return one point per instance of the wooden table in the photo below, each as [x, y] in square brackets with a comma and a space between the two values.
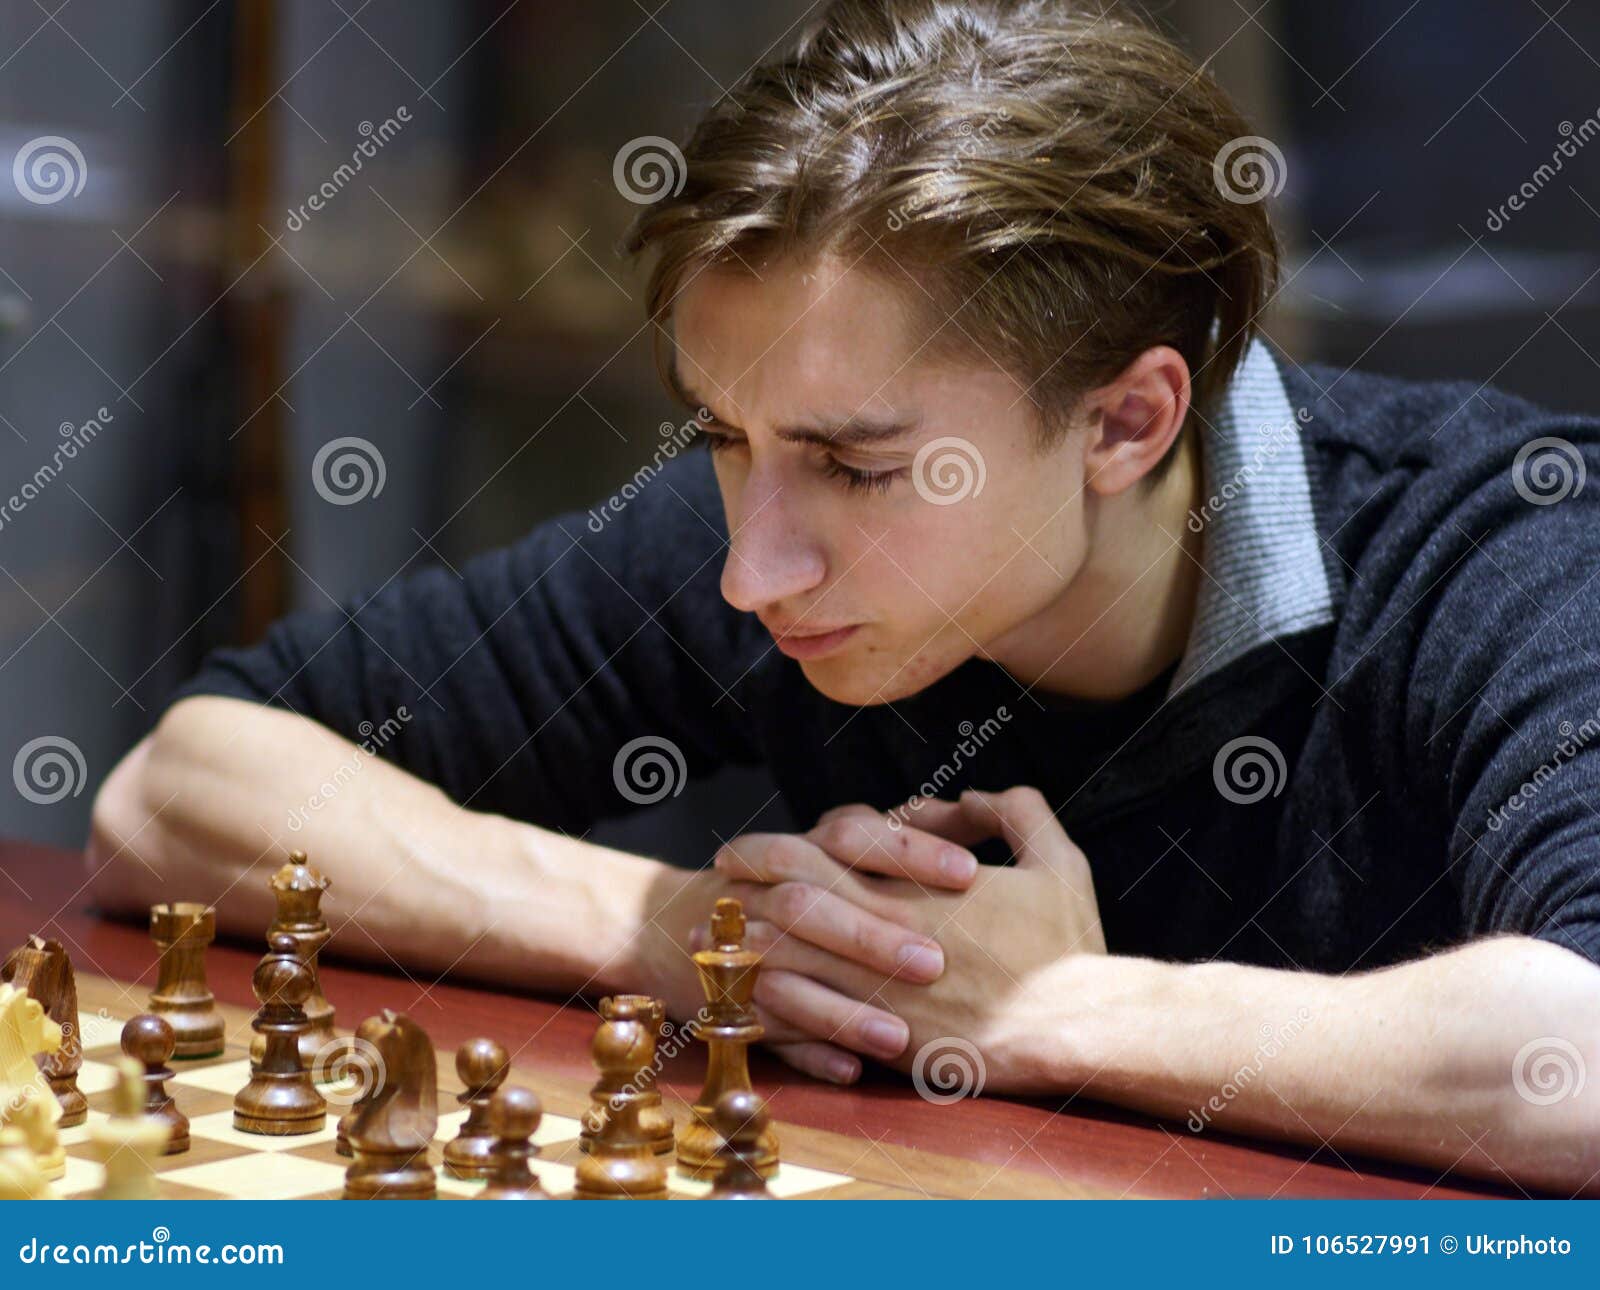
[1066, 1149]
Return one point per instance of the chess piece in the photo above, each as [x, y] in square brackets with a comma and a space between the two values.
[481, 1065]
[127, 1142]
[43, 969]
[653, 1117]
[181, 931]
[25, 1032]
[149, 1040]
[621, 1163]
[298, 888]
[364, 1065]
[728, 974]
[740, 1119]
[514, 1114]
[396, 1123]
[22, 1142]
[280, 1098]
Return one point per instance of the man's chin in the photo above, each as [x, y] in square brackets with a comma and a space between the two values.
[859, 687]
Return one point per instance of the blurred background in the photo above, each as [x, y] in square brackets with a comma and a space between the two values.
[185, 304]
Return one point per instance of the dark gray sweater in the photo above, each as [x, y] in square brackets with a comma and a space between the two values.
[1383, 739]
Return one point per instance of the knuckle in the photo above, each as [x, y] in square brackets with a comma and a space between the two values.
[790, 902]
[838, 833]
[1026, 797]
[865, 941]
[786, 857]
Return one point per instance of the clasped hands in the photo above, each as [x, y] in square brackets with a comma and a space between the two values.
[878, 940]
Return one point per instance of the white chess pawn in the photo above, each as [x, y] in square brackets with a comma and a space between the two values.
[128, 1142]
[20, 1175]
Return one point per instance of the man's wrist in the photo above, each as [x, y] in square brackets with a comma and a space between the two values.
[591, 921]
[1080, 1028]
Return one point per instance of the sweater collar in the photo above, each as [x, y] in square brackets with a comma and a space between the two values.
[1264, 577]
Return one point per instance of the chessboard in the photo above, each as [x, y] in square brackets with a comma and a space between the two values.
[222, 1163]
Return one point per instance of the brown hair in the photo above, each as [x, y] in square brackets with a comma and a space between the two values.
[1053, 176]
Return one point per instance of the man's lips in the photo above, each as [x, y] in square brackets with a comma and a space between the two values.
[808, 642]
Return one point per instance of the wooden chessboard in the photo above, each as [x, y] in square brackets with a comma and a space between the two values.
[223, 1163]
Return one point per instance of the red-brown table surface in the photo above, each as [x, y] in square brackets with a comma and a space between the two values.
[1110, 1150]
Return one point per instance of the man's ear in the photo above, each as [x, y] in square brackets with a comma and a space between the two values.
[1135, 419]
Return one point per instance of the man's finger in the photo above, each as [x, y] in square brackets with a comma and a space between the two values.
[874, 843]
[830, 1016]
[833, 923]
[1022, 816]
[1030, 828]
[785, 951]
[820, 1061]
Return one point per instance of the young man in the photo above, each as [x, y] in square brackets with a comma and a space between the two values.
[1283, 681]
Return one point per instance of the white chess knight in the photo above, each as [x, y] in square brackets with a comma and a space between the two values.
[26, 1100]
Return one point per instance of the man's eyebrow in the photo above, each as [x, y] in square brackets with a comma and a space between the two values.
[854, 431]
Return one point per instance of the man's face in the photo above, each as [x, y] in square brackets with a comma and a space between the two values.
[880, 570]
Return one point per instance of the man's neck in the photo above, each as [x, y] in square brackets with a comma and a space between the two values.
[1126, 617]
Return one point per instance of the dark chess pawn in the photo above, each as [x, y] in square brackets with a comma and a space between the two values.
[621, 1163]
[150, 1039]
[514, 1114]
[653, 1117]
[280, 1098]
[740, 1119]
[481, 1065]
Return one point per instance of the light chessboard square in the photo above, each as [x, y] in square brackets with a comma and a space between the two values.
[218, 1127]
[272, 1175]
[225, 1077]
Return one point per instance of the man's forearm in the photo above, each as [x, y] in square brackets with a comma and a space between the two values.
[1437, 1061]
[202, 810]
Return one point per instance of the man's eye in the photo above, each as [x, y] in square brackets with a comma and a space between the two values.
[860, 481]
[716, 441]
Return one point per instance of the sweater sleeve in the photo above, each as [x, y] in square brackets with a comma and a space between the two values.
[554, 680]
[1502, 711]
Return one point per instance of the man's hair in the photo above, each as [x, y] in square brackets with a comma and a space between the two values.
[1041, 181]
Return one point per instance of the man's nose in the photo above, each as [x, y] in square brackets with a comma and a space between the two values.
[771, 555]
